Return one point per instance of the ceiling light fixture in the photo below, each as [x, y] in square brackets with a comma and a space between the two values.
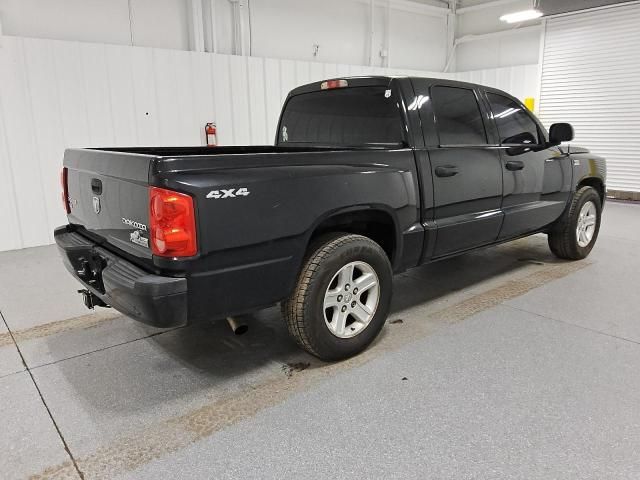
[522, 16]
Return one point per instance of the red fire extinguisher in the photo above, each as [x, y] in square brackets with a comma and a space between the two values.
[211, 134]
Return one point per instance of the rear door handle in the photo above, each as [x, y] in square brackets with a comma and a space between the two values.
[514, 165]
[96, 186]
[446, 171]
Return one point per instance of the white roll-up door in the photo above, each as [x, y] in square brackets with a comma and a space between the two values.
[591, 79]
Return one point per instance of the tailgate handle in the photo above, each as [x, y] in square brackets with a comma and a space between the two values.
[96, 186]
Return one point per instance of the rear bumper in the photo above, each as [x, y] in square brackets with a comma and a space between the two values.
[153, 299]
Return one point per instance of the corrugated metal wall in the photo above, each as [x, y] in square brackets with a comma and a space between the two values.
[591, 78]
[58, 94]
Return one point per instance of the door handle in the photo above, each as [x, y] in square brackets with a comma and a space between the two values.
[96, 186]
[446, 171]
[514, 165]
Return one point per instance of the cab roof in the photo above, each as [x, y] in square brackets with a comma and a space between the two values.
[380, 80]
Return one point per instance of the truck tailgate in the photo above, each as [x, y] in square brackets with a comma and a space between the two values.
[109, 197]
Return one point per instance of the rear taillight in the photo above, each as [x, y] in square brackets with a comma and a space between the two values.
[65, 190]
[173, 223]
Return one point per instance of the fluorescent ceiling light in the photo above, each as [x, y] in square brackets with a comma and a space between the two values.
[522, 16]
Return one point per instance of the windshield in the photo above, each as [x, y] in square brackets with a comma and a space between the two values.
[343, 117]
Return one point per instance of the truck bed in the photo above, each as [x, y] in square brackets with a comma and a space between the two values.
[234, 150]
[257, 237]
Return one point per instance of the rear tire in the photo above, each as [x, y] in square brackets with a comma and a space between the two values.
[575, 233]
[327, 314]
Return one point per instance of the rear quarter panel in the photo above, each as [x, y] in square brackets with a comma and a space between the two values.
[290, 193]
[259, 240]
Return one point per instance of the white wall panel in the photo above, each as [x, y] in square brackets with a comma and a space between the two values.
[120, 94]
[260, 131]
[46, 111]
[202, 91]
[12, 234]
[591, 79]
[273, 93]
[20, 132]
[160, 23]
[492, 51]
[303, 72]
[316, 72]
[56, 94]
[169, 108]
[290, 29]
[185, 124]
[417, 41]
[222, 96]
[83, 20]
[145, 93]
[270, 28]
[93, 61]
[521, 81]
[240, 100]
[287, 78]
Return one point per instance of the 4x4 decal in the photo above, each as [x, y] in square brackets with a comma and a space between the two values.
[228, 193]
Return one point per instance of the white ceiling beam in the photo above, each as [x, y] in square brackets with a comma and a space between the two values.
[196, 27]
[417, 6]
[482, 6]
[213, 32]
[502, 33]
[411, 6]
[371, 30]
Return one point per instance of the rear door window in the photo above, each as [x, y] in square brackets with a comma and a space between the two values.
[458, 116]
[515, 125]
[343, 117]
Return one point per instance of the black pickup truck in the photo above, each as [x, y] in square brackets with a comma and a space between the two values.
[369, 176]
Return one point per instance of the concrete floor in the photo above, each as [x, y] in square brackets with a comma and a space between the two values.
[504, 363]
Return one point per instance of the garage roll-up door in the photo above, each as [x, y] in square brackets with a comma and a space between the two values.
[591, 78]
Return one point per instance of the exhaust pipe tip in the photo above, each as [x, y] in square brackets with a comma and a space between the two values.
[237, 325]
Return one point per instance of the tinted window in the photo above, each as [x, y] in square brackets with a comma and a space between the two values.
[458, 116]
[515, 125]
[343, 117]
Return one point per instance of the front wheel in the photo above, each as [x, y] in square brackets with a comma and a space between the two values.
[575, 234]
[341, 299]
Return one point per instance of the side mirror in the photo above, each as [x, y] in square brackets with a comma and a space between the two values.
[522, 143]
[560, 132]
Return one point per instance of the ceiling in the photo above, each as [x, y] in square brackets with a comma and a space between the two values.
[553, 7]
[548, 7]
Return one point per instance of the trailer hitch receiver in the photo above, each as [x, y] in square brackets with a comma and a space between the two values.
[91, 300]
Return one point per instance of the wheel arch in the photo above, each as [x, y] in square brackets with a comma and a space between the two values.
[596, 183]
[375, 222]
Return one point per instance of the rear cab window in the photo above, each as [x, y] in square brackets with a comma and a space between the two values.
[368, 116]
[458, 116]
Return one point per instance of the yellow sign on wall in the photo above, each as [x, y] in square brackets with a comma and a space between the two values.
[530, 103]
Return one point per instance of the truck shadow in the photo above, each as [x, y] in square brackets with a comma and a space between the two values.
[208, 359]
[469, 272]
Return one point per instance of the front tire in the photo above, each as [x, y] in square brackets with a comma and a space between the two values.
[575, 234]
[342, 296]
